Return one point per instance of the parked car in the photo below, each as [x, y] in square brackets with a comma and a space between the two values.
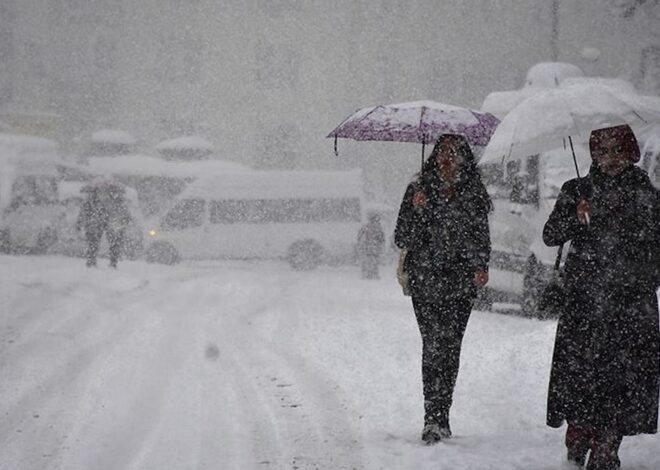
[28, 193]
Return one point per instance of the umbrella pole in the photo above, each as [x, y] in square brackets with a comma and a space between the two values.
[577, 170]
[423, 146]
[336, 151]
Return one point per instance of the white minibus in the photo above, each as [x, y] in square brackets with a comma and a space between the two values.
[305, 217]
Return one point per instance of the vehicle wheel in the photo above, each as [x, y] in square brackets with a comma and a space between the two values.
[484, 299]
[5, 243]
[162, 253]
[305, 255]
[531, 289]
[46, 238]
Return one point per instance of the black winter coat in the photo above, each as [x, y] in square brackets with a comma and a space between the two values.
[102, 212]
[447, 240]
[606, 363]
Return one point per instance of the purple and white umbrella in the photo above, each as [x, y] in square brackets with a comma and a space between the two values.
[416, 121]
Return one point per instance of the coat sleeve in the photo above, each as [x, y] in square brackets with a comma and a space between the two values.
[654, 241]
[124, 214]
[563, 224]
[403, 235]
[482, 240]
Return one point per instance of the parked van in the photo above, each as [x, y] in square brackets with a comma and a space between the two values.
[28, 193]
[306, 217]
[523, 196]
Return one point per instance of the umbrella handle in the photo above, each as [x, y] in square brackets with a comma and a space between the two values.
[336, 151]
[577, 170]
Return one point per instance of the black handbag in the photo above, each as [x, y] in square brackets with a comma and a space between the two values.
[553, 296]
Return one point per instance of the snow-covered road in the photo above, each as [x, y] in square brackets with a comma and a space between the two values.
[230, 365]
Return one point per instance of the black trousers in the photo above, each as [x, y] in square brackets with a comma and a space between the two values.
[442, 326]
[369, 266]
[115, 241]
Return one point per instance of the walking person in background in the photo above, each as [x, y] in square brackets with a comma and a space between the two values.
[104, 211]
[371, 240]
[443, 226]
[605, 374]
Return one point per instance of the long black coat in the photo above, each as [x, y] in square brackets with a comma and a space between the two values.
[447, 240]
[102, 211]
[606, 362]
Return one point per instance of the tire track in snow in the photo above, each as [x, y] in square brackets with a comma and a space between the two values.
[55, 395]
[312, 419]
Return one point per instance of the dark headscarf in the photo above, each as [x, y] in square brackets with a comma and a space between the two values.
[469, 182]
[623, 134]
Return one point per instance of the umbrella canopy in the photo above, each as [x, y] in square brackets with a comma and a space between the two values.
[545, 120]
[417, 121]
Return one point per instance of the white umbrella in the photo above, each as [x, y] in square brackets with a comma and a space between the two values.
[545, 120]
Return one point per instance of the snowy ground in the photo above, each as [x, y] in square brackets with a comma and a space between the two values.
[252, 366]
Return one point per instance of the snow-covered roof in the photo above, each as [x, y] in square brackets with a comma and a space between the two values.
[184, 143]
[279, 185]
[144, 165]
[551, 74]
[112, 136]
[28, 143]
[29, 155]
[615, 84]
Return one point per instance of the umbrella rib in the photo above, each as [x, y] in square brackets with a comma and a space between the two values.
[570, 113]
[640, 116]
[334, 132]
[365, 116]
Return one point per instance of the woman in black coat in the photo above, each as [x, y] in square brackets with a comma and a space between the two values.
[443, 225]
[605, 372]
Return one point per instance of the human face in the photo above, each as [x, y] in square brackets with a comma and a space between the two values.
[611, 157]
[449, 159]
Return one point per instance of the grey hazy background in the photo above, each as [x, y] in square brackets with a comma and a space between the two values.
[266, 80]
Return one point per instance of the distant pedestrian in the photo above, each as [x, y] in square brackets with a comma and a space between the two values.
[371, 240]
[104, 211]
[605, 374]
[443, 226]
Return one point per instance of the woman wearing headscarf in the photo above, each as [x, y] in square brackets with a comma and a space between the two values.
[443, 225]
[605, 374]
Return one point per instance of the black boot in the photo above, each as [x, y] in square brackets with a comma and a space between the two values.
[578, 440]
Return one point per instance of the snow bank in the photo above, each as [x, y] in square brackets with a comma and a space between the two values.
[144, 165]
[185, 142]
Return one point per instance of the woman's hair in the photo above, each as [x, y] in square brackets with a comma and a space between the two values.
[469, 179]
